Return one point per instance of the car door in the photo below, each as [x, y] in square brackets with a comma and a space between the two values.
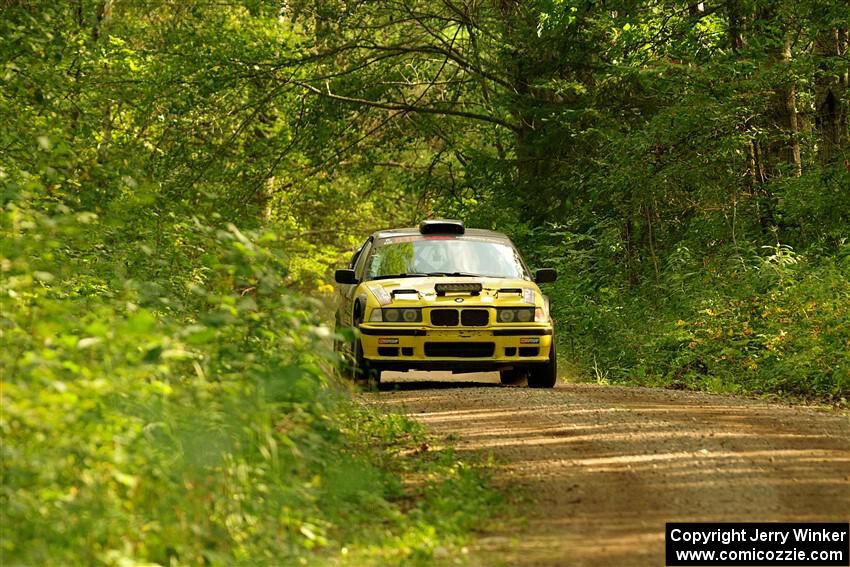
[346, 292]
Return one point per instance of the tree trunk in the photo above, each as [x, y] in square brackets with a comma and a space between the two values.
[790, 96]
[631, 252]
[733, 14]
[784, 148]
[782, 151]
[830, 83]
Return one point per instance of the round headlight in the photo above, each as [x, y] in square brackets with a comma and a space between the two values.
[410, 315]
[506, 315]
[524, 315]
[391, 315]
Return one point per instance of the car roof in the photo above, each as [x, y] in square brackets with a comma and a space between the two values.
[414, 231]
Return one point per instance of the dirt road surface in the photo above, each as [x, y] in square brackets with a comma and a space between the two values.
[606, 466]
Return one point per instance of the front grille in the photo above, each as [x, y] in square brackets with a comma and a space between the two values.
[444, 317]
[387, 351]
[528, 351]
[467, 318]
[475, 317]
[460, 350]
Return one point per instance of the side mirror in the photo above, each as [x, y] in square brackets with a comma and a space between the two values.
[345, 276]
[545, 275]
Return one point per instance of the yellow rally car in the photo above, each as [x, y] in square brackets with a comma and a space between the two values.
[441, 297]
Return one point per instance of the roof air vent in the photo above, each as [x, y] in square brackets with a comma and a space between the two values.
[441, 226]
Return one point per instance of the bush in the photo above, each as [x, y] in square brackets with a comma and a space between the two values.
[768, 321]
[133, 430]
[191, 419]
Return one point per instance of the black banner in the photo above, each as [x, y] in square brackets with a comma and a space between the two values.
[757, 544]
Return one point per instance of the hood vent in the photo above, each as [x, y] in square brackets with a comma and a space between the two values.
[404, 292]
[517, 290]
[470, 288]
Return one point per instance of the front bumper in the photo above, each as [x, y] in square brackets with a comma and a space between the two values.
[448, 349]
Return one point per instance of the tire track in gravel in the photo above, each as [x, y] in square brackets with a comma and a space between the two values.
[607, 466]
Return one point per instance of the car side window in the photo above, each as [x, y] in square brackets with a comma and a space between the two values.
[360, 262]
[354, 257]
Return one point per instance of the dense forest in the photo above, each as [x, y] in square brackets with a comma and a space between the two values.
[178, 180]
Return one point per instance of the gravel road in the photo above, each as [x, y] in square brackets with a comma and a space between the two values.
[607, 466]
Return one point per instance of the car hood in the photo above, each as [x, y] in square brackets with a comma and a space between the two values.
[403, 291]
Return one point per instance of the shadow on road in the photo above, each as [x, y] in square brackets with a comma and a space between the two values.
[434, 385]
[421, 380]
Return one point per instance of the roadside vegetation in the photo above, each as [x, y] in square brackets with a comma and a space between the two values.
[179, 179]
[765, 321]
[196, 420]
[168, 391]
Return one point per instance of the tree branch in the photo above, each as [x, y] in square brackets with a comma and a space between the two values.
[408, 107]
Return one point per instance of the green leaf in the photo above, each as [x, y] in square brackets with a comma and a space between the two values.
[153, 355]
[140, 323]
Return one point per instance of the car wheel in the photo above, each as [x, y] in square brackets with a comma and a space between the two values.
[363, 370]
[343, 367]
[346, 368]
[546, 375]
[343, 350]
[512, 375]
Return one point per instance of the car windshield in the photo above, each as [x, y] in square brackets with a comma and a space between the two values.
[442, 255]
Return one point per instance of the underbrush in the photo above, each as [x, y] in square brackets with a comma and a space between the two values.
[192, 419]
[767, 321]
[432, 503]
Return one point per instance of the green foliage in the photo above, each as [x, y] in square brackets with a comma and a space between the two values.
[138, 432]
[167, 394]
[194, 430]
[778, 326]
[769, 322]
[443, 501]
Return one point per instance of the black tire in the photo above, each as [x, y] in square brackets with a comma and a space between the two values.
[343, 367]
[363, 371]
[546, 375]
[512, 375]
[346, 367]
